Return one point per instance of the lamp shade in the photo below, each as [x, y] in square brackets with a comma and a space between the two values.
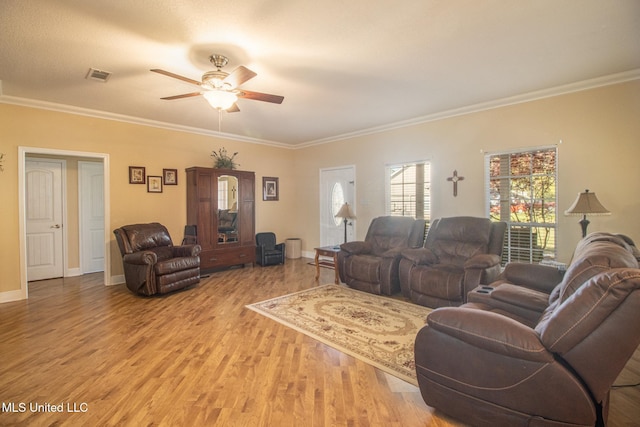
[220, 99]
[345, 212]
[587, 204]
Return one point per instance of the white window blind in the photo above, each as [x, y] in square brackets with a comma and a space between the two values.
[521, 188]
[408, 188]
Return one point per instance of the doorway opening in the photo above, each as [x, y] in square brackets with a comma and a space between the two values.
[23, 154]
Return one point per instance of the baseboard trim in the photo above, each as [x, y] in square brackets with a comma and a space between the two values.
[10, 296]
[117, 280]
[73, 272]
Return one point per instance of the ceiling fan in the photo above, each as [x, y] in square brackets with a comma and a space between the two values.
[220, 88]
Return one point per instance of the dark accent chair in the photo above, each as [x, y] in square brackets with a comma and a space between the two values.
[459, 254]
[483, 364]
[372, 265]
[268, 252]
[152, 265]
[190, 235]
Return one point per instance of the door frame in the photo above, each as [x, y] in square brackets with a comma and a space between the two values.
[82, 214]
[22, 154]
[320, 181]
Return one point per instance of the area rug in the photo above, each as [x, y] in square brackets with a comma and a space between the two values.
[375, 329]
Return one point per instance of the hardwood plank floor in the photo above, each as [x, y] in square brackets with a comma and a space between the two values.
[199, 357]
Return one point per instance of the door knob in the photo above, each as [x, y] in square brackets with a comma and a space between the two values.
[55, 226]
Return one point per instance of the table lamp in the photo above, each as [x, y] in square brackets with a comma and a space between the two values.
[346, 213]
[586, 204]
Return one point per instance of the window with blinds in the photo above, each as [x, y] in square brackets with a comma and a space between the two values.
[521, 191]
[409, 190]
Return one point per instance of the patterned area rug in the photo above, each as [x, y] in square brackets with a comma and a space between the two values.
[378, 330]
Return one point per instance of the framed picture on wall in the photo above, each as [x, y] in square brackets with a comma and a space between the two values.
[136, 175]
[270, 190]
[154, 184]
[170, 176]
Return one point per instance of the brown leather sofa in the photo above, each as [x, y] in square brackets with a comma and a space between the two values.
[524, 291]
[459, 254]
[152, 265]
[488, 364]
[372, 265]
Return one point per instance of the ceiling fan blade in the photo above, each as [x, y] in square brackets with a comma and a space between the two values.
[233, 109]
[176, 76]
[239, 76]
[257, 96]
[184, 95]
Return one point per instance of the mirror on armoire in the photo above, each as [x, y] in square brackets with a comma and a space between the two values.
[227, 209]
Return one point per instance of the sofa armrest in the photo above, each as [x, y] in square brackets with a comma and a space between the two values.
[521, 296]
[186, 250]
[490, 331]
[354, 248]
[141, 258]
[393, 253]
[482, 261]
[420, 256]
[535, 276]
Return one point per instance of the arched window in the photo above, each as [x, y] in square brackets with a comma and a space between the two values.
[337, 200]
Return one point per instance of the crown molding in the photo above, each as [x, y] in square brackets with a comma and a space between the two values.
[70, 109]
[483, 106]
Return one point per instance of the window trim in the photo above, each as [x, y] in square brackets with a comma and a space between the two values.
[487, 195]
[387, 184]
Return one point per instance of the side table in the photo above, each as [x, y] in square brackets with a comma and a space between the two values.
[329, 251]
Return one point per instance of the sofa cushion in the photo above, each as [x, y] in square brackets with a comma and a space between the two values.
[444, 281]
[458, 239]
[365, 268]
[146, 236]
[162, 252]
[389, 232]
[591, 258]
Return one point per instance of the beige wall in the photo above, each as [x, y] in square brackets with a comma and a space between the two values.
[600, 134]
[599, 129]
[129, 144]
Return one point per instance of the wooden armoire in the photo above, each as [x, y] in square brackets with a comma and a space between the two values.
[221, 203]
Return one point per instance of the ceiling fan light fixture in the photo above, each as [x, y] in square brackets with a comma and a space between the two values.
[219, 99]
[215, 80]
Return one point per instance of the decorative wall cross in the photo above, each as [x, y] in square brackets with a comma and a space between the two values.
[455, 178]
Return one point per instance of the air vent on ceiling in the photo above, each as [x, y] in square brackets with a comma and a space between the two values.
[98, 75]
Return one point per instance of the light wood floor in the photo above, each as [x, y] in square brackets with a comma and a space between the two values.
[199, 357]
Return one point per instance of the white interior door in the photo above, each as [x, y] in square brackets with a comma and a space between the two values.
[337, 186]
[43, 209]
[91, 204]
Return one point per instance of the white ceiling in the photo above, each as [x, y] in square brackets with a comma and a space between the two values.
[344, 67]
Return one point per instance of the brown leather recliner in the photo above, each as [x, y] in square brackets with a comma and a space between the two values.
[372, 265]
[486, 367]
[459, 254]
[152, 265]
[524, 291]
